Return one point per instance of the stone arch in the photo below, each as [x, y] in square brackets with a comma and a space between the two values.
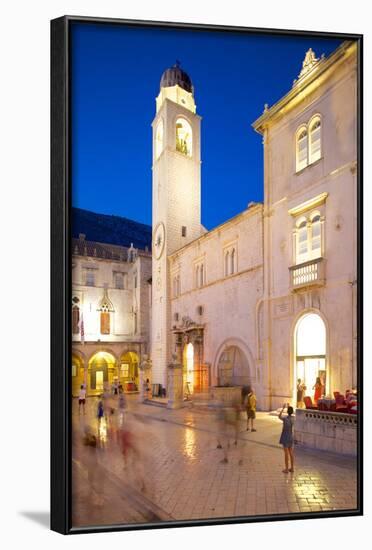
[244, 369]
[184, 135]
[102, 367]
[293, 348]
[105, 349]
[80, 354]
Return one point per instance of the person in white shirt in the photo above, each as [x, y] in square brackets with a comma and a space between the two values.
[82, 395]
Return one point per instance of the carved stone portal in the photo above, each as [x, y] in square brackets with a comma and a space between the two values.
[175, 387]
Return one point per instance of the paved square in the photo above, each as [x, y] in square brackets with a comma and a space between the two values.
[175, 470]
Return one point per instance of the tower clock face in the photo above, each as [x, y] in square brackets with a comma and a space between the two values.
[159, 240]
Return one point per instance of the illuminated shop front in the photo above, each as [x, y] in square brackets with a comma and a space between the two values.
[128, 371]
[310, 344]
[101, 372]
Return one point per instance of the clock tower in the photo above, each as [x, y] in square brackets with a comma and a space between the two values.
[175, 201]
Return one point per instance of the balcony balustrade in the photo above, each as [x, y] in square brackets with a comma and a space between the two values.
[310, 273]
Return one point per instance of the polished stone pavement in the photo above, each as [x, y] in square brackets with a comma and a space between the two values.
[176, 472]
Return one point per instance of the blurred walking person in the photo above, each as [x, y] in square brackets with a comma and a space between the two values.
[122, 405]
[250, 407]
[100, 413]
[228, 428]
[132, 440]
[82, 396]
[286, 438]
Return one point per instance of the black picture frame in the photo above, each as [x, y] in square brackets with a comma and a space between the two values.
[61, 274]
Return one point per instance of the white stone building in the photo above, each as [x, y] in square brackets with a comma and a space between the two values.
[270, 295]
[111, 310]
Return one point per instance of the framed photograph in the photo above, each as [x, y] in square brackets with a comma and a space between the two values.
[206, 274]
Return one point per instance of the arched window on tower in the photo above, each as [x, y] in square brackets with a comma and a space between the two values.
[159, 139]
[75, 315]
[183, 137]
[315, 140]
[301, 149]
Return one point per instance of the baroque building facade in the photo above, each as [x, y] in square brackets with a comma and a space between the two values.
[270, 295]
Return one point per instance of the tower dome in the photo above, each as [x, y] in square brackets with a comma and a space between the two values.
[176, 76]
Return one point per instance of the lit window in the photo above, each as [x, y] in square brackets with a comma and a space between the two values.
[315, 140]
[301, 149]
[308, 238]
[302, 244]
[105, 309]
[105, 320]
[308, 143]
[183, 137]
[316, 237]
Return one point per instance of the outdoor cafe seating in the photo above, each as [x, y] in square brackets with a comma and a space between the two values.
[341, 403]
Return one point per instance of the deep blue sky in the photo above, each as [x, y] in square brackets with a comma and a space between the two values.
[115, 78]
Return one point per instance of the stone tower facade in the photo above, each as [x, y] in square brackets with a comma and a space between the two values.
[175, 200]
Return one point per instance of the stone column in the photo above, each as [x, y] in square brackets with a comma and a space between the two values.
[175, 387]
[178, 348]
[144, 374]
[85, 366]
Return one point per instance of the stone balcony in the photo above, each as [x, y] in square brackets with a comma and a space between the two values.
[308, 274]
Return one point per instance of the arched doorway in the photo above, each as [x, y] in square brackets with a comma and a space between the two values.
[233, 367]
[128, 371]
[101, 371]
[310, 345]
[77, 374]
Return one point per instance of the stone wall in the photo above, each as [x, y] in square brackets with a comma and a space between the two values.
[327, 431]
[226, 394]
